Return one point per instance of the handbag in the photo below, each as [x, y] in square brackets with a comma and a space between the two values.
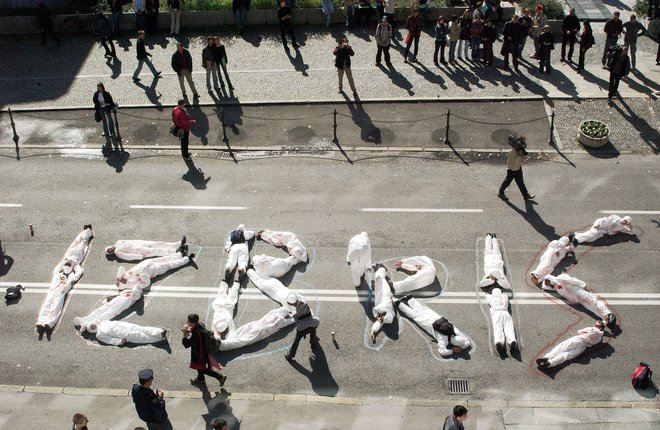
[176, 131]
[97, 116]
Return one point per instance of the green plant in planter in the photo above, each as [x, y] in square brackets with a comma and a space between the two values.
[595, 129]
[551, 8]
[641, 8]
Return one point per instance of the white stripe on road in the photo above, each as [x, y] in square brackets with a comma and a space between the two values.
[621, 211]
[201, 208]
[431, 210]
[11, 205]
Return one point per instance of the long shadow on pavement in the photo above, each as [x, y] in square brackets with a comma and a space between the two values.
[534, 219]
[195, 176]
[647, 133]
[219, 407]
[320, 376]
[602, 351]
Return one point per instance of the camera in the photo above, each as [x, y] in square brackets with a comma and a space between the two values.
[518, 143]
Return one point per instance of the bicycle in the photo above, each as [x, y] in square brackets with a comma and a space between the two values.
[91, 22]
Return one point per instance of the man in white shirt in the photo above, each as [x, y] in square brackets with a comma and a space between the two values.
[573, 346]
[493, 264]
[287, 239]
[383, 309]
[503, 331]
[120, 333]
[576, 291]
[422, 275]
[136, 250]
[359, 256]
[553, 254]
[609, 225]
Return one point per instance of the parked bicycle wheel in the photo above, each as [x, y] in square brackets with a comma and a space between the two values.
[72, 25]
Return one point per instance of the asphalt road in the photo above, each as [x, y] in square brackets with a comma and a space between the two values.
[321, 201]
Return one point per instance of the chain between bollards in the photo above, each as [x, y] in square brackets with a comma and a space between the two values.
[551, 139]
[447, 142]
[225, 139]
[334, 127]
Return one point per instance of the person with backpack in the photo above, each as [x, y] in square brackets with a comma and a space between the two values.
[383, 41]
[306, 324]
[619, 67]
[201, 341]
[641, 377]
[572, 347]
[586, 42]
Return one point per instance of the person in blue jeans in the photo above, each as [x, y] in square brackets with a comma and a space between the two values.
[441, 31]
[103, 106]
[240, 8]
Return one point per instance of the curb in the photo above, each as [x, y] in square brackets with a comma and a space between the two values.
[350, 401]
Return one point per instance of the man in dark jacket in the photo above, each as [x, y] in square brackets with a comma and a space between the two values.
[569, 28]
[143, 57]
[209, 65]
[619, 69]
[240, 8]
[183, 66]
[613, 28]
[107, 33]
[150, 405]
[546, 46]
[306, 324]
[511, 34]
[220, 58]
[200, 359]
[152, 14]
[284, 15]
[45, 24]
[343, 53]
[414, 26]
[456, 419]
[488, 37]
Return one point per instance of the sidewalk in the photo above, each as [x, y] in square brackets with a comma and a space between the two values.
[114, 409]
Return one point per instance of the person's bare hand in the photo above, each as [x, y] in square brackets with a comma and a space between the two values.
[398, 264]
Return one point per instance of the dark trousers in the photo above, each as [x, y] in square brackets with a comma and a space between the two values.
[313, 340]
[383, 50]
[439, 46]
[488, 52]
[581, 59]
[657, 56]
[50, 33]
[614, 85]
[544, 63]
[390, 19]
[513, 50]
[412, 39]
[111, 50]
[141, 21]
[208, 371]
[518, 176]
[570, 40]
[609, 41]
[184, 144]
[287, 27]
[165, 425]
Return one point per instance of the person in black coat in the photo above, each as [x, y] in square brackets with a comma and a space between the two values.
[343, 53]
[103, 105]
[286, 26]
[143, 57]
[220, 58]
[586, 41]
[182, 64]
[570, 27]
[150, 405]
[511, 34]
[489, 36]
[107, 33]
[200, 359]
[546, 46]
[45, 24]
[240, 8]
[619, 69]
[152, 14]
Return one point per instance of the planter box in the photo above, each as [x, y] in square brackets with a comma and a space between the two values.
[592, 142]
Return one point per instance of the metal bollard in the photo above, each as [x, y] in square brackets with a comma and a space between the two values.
[334, 127]
[114, 113]
[31, 230]
[551, 140]
[225, 139]
[447, 142]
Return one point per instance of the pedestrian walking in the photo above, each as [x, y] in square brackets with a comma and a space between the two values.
[116, 13]
[570, 27]
[45, 24]
[150, 404]
[174, 6]
[464, 22]
[454, 34]
[476, 29]
[200, 359]
[306, 324]
[456, 419]
[107, 33]
[240, 9]
[414, 26]
[152, 14]
[619, 69]
[349, 11]
[183, 66]
[343, 53]
[586, 42]
[143, 58]
[209, 65]
[511, 34]
[546, 46]
[140, 8]
[103, 106]
[383, 40]
[514, 171]
[632, 30]
[488, 37]
[80, 422]
[441, 31]
[181, 120]
[538, 22]
[525, 29]
[284, 14]
[220, 58]
[328, 9]
[613, 28]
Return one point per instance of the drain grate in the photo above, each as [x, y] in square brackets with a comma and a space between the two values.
[458, 386]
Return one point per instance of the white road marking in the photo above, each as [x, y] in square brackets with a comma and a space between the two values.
[430, 210]
[209, 208]
[11, 205]
[625, 212]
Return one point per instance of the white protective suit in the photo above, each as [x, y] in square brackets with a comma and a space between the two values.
[255, 331]
[223, 310]
[273, 267]
[136, 250]
[425, 317]
[120, 332]
[359, 256]
[493, 264]
[574, 346]
[382, 300]
[609, 225]
[503, 330]
[61, 283]
[574, 290]
[238, 253]
[271, 287]
[285, 238]
[424, 274]
[136, 280]
[554, 253]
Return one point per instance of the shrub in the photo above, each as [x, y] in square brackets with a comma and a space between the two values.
[641, 8]
[594, 128]
[551, 8]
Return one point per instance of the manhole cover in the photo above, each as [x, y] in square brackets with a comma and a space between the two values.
[458, 386]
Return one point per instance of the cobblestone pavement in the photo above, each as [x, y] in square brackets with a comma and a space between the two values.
[55, 77]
